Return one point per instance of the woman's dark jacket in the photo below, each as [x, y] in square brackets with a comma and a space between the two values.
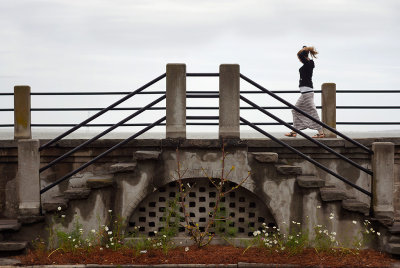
[306, 72]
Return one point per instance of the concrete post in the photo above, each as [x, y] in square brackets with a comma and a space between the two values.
[22, 112]
[229, 109]
[383, 179]
[328, 100]
[176, 101]
[28, 182]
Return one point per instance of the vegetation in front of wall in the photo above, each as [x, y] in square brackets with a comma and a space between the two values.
[217, 221]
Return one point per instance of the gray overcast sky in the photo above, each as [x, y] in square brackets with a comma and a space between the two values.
[118, 45]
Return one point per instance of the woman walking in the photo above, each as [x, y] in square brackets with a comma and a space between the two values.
[306, 100]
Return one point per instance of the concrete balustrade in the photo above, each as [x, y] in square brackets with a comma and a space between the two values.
[28, 182]
[176, 101]
[22, 112]
[383, 179]
[328, 100]
[229, 108]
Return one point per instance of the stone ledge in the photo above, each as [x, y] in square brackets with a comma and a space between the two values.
[77, 193]
[122, 167]
[332, 194]
[12, 245]
[352, 204]
[30, 219]
[9, 225]
[266, 157]
[146, 155]
[288, 170]
[310, 181]
[53, 204]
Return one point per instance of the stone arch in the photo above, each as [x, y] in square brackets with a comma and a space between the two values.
[246, 210]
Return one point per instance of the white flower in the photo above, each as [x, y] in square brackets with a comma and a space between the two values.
[155, 232]
[297, 241]
[186, 249]
[111, 239]
[63, 216]
[143, 251]
[101, 248]
[318, 206]
[93, 230]
[298, 223]
[331, 218]
[112, 244]
[106, 228]
[107, 246]
[378, 233]
[59, 208]
[282, 248]
[76, 246]
[149, 238]
[90, 244]
[73, 240]
[275, 242]
[164, 236]
[264, 224]
[69, 237]
[334, 233]
[354, 222]
[109, 210]
[110, 232]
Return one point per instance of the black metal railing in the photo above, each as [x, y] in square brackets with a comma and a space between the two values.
[114, 126]
[309, 159]
[102, 112]
[70, 174]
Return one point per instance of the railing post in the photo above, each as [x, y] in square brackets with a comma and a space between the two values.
[383, 180]
[176, 101]
[229, 93]
[22, 112]
[28, 182]
[328, 100]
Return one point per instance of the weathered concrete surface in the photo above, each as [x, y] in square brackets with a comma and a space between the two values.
[383, 168]
[281, 193]
[229, 91]
[22, 112]
[176, 101]
[328, 101]
[28, 181]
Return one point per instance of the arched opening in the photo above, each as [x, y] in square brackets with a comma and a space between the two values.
[242, 210]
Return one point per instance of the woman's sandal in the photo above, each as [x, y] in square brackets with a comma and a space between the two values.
[291, 134]
[319, 136]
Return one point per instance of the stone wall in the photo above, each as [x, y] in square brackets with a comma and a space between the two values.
[277, 190]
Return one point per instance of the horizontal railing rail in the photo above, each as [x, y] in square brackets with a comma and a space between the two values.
[216, 92]
[102, 112]
[309, 159]
[305, 114]
[70, 174]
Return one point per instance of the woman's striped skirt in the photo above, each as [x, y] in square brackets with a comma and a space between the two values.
[306, 104]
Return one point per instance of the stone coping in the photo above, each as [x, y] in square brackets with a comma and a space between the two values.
[210, 143]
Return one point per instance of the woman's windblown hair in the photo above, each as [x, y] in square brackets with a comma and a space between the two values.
[312, 51]
[305, 51]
